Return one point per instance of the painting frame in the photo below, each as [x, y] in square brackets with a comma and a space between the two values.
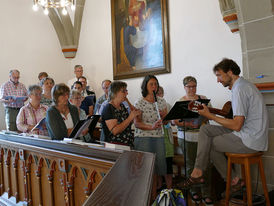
[149, 58]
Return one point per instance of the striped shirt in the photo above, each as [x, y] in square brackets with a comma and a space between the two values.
[10, 89]
[30, 116]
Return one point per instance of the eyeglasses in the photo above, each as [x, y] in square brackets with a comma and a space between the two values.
[37, 94]
[191, 87]
[78, 98]
[124, 90]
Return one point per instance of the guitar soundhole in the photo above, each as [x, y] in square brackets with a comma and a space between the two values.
[194, 106]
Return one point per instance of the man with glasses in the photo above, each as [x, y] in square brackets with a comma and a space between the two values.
[85, 90]
[78, 71]
[13, 94]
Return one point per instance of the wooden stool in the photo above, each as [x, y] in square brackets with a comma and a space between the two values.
[178, 158]
[245, 160]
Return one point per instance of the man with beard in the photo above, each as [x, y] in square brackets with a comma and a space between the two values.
[247, 132]
[9, 93]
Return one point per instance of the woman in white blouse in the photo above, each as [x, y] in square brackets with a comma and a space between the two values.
[148, 134]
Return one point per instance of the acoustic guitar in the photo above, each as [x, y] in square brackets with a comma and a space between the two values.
[226, 111]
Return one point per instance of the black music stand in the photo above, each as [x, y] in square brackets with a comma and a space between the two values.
[180, 111]
[89, 123]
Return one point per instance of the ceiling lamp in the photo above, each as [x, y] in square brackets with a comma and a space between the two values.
[56, 4]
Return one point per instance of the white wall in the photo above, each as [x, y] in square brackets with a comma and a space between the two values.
[198, 39]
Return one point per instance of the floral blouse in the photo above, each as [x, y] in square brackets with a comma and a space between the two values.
[46, 101]
[149, 116]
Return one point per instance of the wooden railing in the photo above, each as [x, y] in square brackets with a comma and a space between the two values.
[45, 172]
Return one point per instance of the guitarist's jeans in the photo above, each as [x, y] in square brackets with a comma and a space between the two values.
[213, 142]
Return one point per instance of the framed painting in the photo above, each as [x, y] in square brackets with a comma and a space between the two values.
[140, 38]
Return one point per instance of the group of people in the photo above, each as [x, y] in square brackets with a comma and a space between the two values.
[206, 144]
[44, 100]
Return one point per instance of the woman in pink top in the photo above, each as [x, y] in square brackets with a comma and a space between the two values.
[30, 114]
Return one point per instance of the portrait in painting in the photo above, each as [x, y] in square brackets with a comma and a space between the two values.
[140, 38]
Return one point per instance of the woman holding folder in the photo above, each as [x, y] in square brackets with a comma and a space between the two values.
[32, 113]
[192, 126]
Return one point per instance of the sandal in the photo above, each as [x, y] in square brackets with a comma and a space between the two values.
[195, 197]
[234, 189]
[192, 182]
[209, 201]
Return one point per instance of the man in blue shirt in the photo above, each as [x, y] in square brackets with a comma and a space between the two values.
[247, 132]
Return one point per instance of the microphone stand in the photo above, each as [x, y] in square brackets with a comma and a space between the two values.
[184, 152]
[186, 191]
[157, 109]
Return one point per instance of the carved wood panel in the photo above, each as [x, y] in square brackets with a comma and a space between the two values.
[43, 179]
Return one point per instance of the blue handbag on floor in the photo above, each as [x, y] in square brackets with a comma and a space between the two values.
[170, 197]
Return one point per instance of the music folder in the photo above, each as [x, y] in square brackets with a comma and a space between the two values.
[89, 123]
[180, 110]
[39, 125]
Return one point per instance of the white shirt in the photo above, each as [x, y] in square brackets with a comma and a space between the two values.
[68, 121]
[149, 116]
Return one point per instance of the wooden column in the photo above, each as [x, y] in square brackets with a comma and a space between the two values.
[50, 179]
[71, 187]
[7, 163]
[38, 175]
[1, 172]
[25, 181]
[28, 180]
[63, 181]
[15, 165]
[91, 181]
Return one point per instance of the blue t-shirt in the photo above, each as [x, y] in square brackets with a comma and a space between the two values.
[86, 103]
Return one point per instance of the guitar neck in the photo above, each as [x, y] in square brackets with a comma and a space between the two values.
[218, 111]
[225, 112]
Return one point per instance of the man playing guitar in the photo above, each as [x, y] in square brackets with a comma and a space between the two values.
[246, 132]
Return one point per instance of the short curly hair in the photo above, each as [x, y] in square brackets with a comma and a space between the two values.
[227, 65]
[188, 79]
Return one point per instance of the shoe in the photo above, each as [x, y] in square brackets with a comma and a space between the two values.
[208, 202]
[234, 189]
[195, 198]
[191, 182]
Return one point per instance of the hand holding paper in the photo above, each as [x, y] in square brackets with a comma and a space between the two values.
[16, 99]
[40, 125]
